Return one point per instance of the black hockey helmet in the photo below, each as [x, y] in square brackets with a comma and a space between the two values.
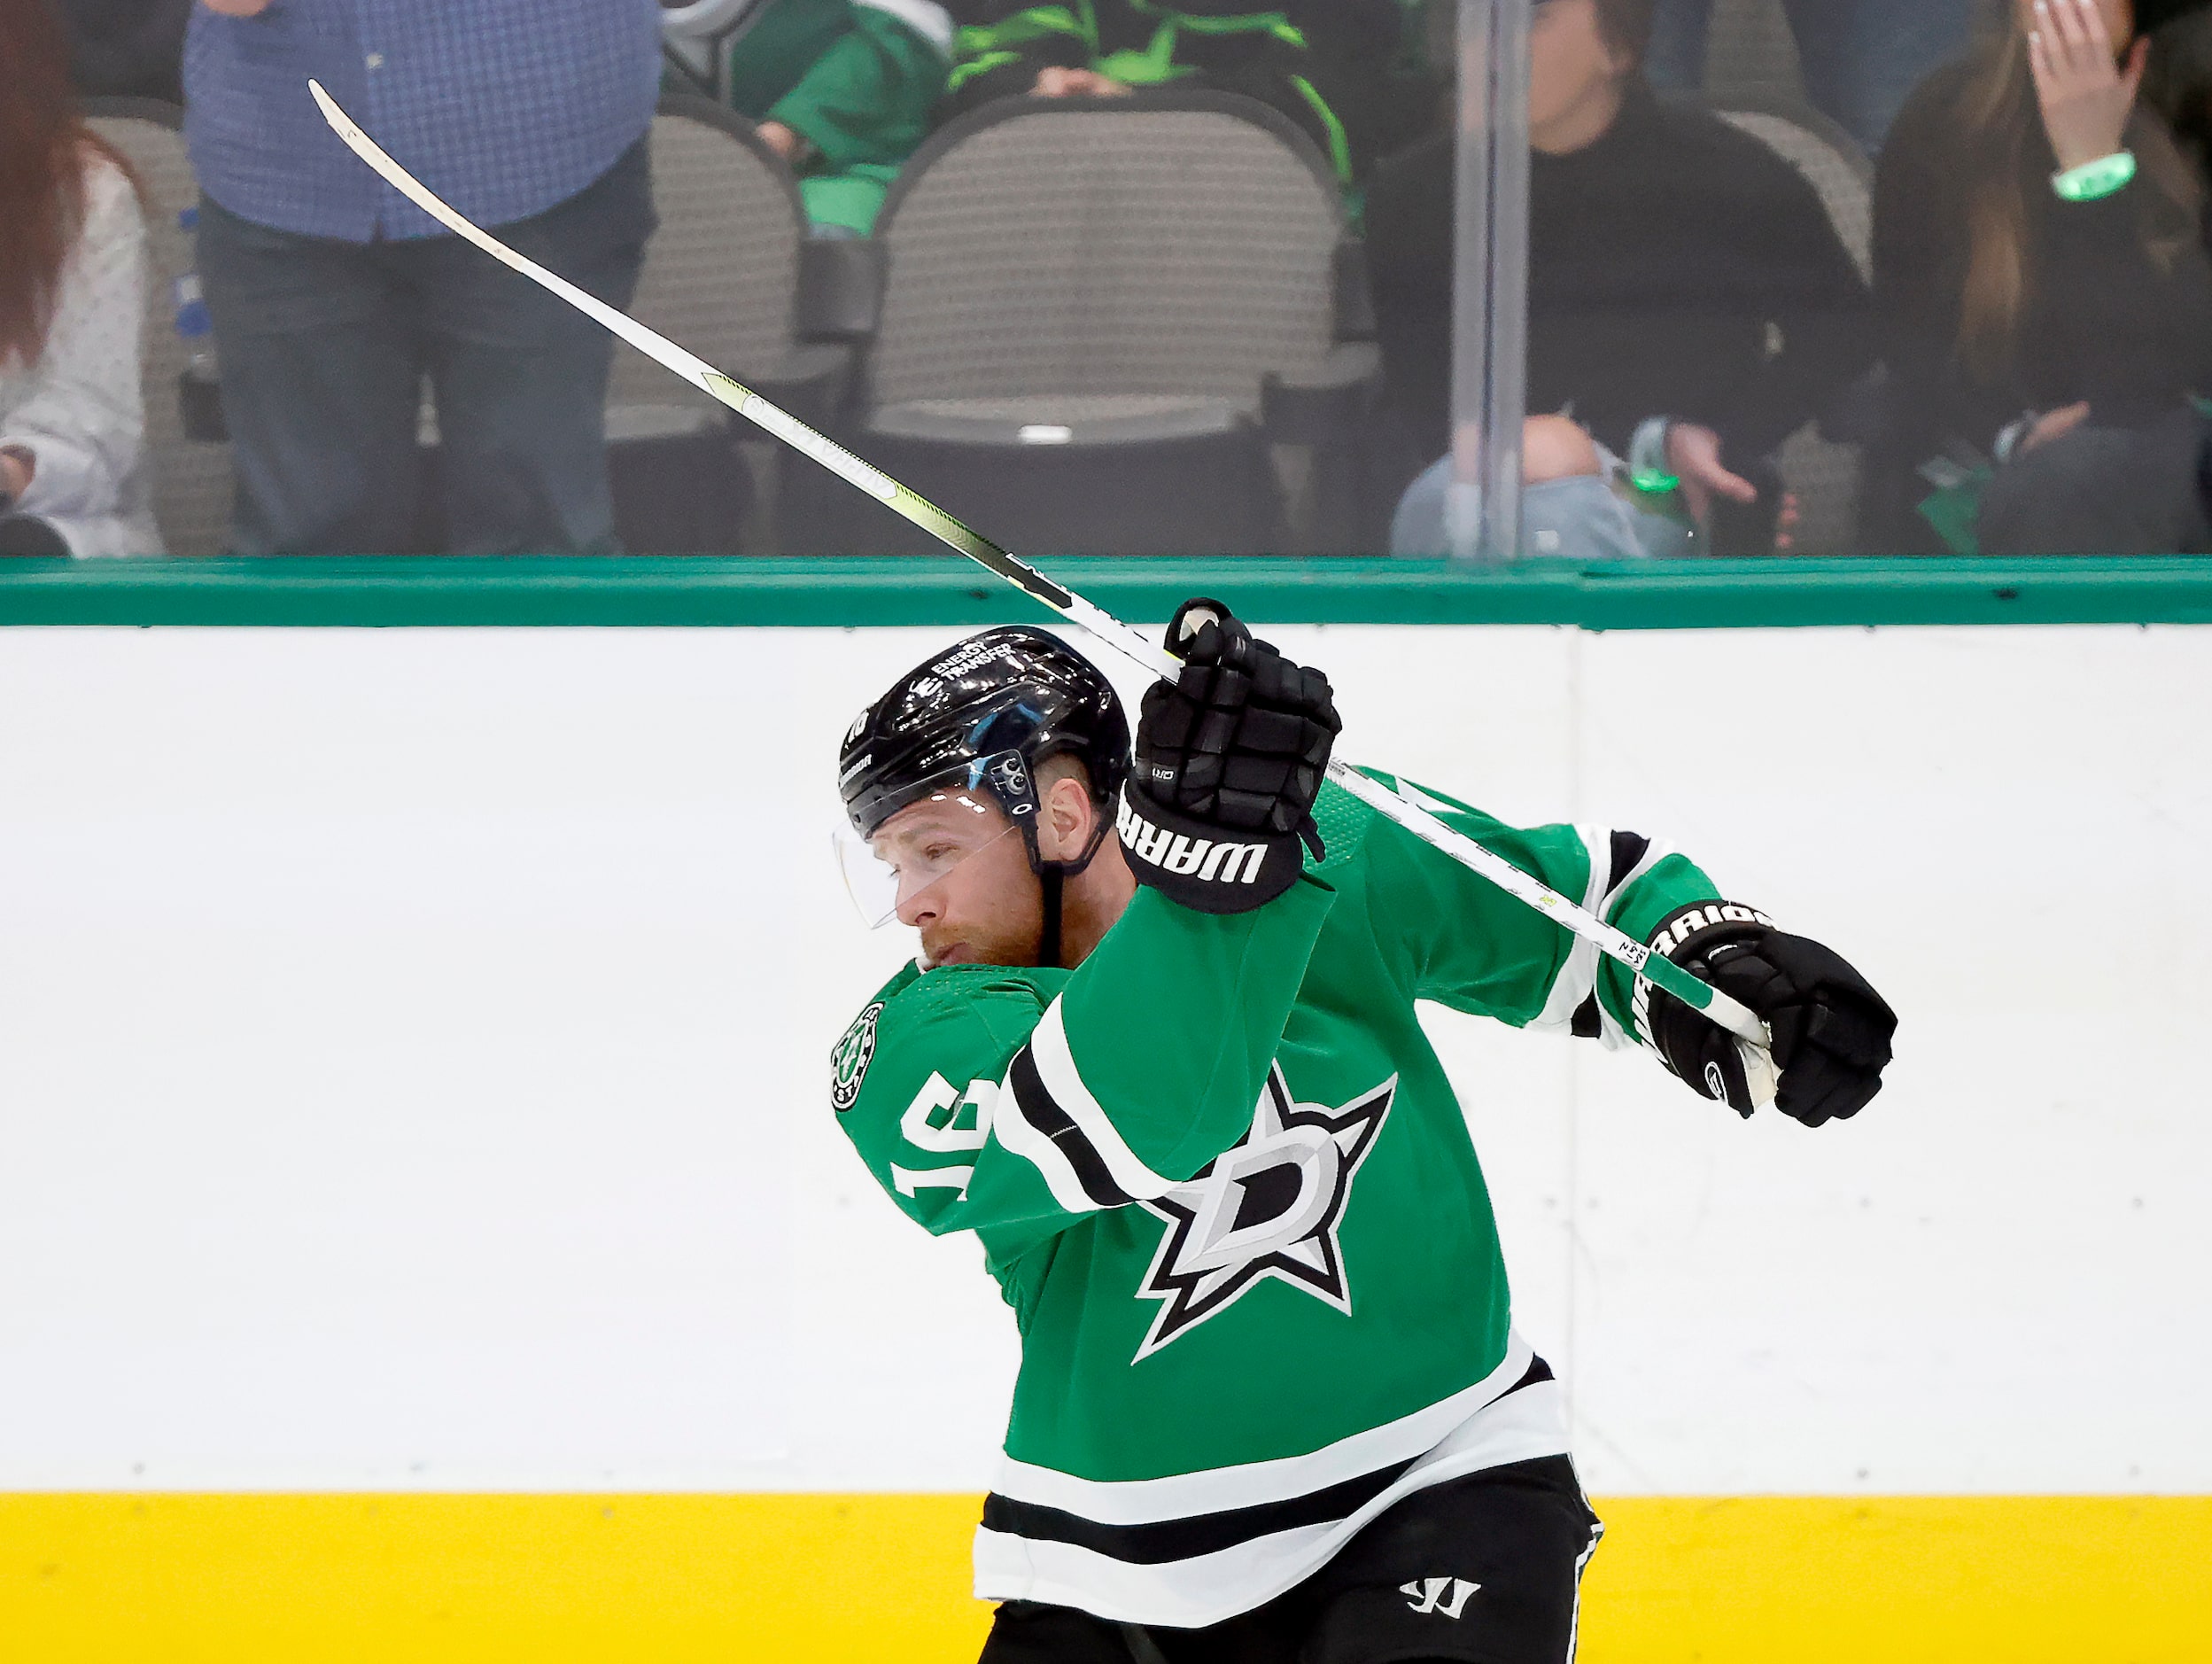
[981, 718]
[1013, 692]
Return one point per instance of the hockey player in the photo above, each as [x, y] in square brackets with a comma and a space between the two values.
[1162, 1059]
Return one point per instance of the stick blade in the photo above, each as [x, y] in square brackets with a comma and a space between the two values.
[398, 177]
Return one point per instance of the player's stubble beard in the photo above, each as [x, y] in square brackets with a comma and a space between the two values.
[999, 919]
[988, 911]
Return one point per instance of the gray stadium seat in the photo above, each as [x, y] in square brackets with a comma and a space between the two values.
[1102, 320]
[192, 478]
[721, 279]
[1831, 163]
[1751, 55]
[1823, 473]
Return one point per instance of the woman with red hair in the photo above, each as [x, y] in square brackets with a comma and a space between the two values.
[73, 262]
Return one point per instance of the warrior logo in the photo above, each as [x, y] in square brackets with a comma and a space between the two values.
[1208, 861]
[849, 1058]
[1269, 1208]
[1686, 924]
[1446, 1595]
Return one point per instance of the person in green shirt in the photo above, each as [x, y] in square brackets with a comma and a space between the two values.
[843, 91]
[1160, 1052]
[1338, 68]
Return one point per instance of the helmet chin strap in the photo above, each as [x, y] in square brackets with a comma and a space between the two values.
[1053, 878]
[1010, 778]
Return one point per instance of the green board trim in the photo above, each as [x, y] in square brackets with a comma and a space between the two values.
[639, 591]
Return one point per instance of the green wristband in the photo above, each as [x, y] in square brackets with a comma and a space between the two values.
[1646, 458]
[2091, 181]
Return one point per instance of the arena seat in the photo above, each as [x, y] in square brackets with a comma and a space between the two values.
[191, 477]
[1751, 57]
[1821, 466]
[1105, 323]
[721, 279]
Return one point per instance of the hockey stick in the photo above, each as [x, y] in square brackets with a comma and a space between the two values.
[1662, 972]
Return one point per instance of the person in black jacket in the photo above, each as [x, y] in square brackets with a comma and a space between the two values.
[1690, 306]
[2045, 296]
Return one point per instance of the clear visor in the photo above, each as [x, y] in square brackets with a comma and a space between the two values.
[890, 877]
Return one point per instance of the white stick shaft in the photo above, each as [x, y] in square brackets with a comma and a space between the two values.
[1730, 1013]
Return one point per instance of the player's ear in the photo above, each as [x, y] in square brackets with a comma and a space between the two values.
[1068, 814]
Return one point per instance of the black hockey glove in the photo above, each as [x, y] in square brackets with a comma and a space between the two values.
[1230, 757]
[1831, 1030]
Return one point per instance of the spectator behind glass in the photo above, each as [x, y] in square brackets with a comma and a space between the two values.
[1690, 306]
[1328, 64]
[1858, 58]
[2061, 339]
[843, 91]
[333, 297]
[72, 468]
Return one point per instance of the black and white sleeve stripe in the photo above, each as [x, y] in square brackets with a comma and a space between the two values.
[1048, 1116]
[1617, 859]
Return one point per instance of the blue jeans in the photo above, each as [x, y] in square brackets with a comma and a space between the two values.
[324, 345]
[1862, 58]
[2103, 491]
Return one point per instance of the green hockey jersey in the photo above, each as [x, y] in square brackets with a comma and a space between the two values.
[1227, 1189]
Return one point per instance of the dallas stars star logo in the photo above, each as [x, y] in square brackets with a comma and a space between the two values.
[1269, 1207]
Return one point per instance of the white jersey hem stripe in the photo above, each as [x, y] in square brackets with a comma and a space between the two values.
[1253, 1484]
[1208, 1589]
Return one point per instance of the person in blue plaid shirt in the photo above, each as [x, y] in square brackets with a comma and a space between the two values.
[333, 297]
